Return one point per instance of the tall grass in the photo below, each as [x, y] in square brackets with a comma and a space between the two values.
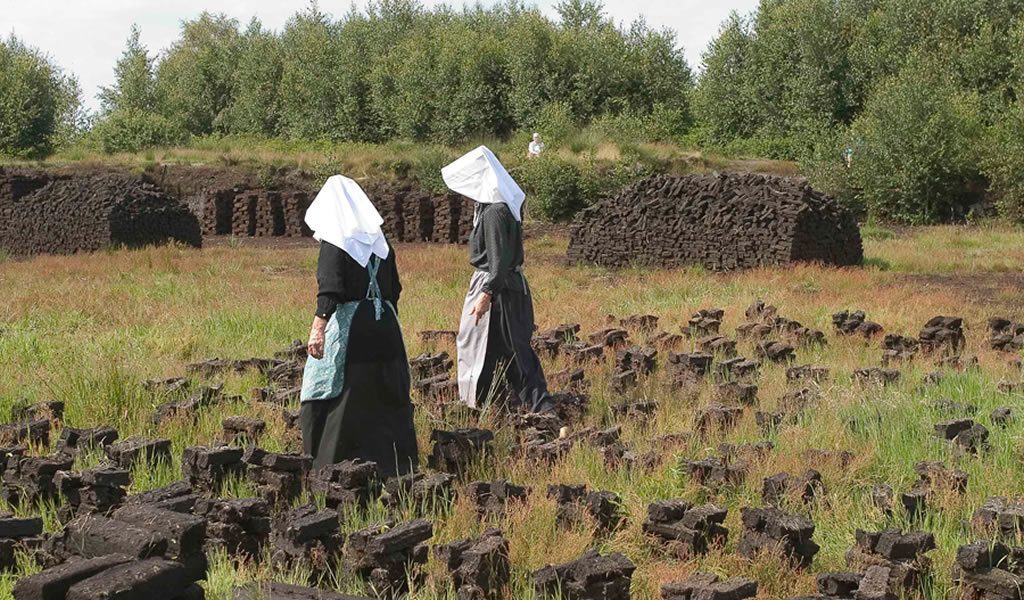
[89, 329]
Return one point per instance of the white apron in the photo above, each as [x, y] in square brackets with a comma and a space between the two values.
[471, 343]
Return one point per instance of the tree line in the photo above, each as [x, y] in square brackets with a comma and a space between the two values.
[909, 110]
[393, 71]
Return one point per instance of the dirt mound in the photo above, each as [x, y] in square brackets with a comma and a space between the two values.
[41, 212]
[722, 221]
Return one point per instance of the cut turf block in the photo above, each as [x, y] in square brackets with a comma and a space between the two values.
[708, 586]
[241, 527]
[128, 452]
[771, 529]
[184, 533]
[480, 568]
[177, 497]
[347, 483]
[54, 583]
[384, 554]
[150, 579]
[307, 538]
[686, 531]
[453, 451]
[91, 536]
[589, 577]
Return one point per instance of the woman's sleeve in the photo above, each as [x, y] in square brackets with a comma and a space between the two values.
[498, 242]
[396, 284]
[330, 279]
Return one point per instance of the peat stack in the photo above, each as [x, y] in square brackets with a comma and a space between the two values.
[90, 212]
[722, 222]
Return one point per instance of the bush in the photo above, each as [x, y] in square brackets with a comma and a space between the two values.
[132, 131]
[824, 164]
[1003, 163]
[555, 189]
[915, 158]
[555, 123]
[426, 168]
[38, 103]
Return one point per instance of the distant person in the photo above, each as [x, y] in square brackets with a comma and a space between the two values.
[497, 315]
[848, 157]
[355, 387]
[536, 147]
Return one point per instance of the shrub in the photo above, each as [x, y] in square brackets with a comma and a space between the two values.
[1003, 163]
[914, 146]
[38, 103]
[555, 123]
[132, 131]
[555, 188]
[426, 168]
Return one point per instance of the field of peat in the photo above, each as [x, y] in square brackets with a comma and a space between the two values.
[701, 431]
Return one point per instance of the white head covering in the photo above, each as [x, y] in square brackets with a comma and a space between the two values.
[342, 215]
[479, 175]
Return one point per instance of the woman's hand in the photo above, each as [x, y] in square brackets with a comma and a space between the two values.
[315, 347]
[483, 304]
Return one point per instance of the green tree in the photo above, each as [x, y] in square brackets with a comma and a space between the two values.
[528, 48]
[39, 104]
[309, 100]
[255, 104]
[134, 84]
[581, 14]
[724, 100]
[128, 122]
[196, 78]
[916, 146]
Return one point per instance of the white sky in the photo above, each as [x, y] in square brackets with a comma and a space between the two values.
[86, 37]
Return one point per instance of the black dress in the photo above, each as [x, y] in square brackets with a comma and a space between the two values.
[496, 247]
[372, 419]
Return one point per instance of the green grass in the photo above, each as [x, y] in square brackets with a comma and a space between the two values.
[359, 160]
[89, 329]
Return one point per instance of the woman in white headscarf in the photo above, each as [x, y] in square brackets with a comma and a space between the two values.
[355, 386]
[497, 316]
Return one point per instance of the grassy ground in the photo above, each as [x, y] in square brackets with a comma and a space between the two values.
[360, 160]
[89, 329]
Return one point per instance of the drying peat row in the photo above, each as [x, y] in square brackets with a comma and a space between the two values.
[722, 222]
[156, 543]
[63, 215]
[69, 211]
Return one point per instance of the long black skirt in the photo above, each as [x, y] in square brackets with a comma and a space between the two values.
[372, 419]
[511, 356]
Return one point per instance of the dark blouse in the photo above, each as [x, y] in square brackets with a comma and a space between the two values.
[496, 246]
[341, 279]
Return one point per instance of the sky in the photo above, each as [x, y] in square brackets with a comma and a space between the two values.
[86, 37]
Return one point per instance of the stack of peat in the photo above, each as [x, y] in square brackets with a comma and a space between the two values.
[87, 213]
[256, 212]
[722, 221]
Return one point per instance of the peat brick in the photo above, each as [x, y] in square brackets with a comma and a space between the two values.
[184, 533]
[128, 452]
[383, 555]
[707, 586]
[453, 451]
[480, 568]
[348, 483]
[54, 583]
[772, 529]
[589, 577]
[151, 579]
[492, 497]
